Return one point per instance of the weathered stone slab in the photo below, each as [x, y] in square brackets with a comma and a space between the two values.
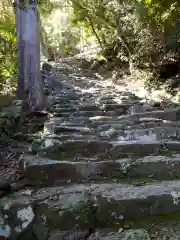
[45, 171]
[89, 113]
[88, 107]
[156, 133]
[134, 234]
[172, 145]
[73, 129]
[61, 114]
[64, 207]
[66, 110]
[96, 148]
[53, 127]
[48, 172]
[71, 148]
[137, 148]
[172, 115]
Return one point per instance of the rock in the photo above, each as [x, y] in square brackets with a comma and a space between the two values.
[155, 133]
[46, 144]
[71, 148]
[46, 171]
[138, 234]
[95, 148]
[46, 67]
[49, 127]
[40, 231]
[3, 234]
[134, 234]
[15, 218]
[69, 235]
[135, 147]
[5, 188]
[57, 236]
[171, 115]
[136, 109]
[63, 207]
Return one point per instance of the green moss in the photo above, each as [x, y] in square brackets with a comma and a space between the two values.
[147, 222]
[166, 152]
[82, 212]
[6, 100]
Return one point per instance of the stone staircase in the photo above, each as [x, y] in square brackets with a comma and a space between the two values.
[106, 163]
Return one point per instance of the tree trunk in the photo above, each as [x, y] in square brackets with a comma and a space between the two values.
[95, 33]
[29, 36]
[20, 47]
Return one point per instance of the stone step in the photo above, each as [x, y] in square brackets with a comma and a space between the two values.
[86, 206]
[152, 125]
[68, 95]
[123, 107]
[103, 234]
[89, 113]
[61, 114]
[102, 149]
[128, 125]
[52, 127]
[132, 123]
[70, 136]
[89, 147]
[65, 129]
[48, 172]
[98, 113]
[69, 123]
[120, 119]
[172, 115]
[65, 109]
[156, 133]
[88, 107]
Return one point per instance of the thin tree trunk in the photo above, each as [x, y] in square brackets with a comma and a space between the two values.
[95, 33]
[43, 39]
[28, 32]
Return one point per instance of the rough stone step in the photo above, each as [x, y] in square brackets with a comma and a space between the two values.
[126, 126]
[103, 234]
[88, 107]
[115, 106]
[86, 205]
[98, 113]
[130, 123]
[70, 136]
[69, 96]
[152, 125]
[61, 114]
[156, 133]
[52, 127]
[65, 109]
[88, 113]
[64, 129]
[48, 172]
[101, 149]
[120, 119]
[172, 115]
[69, 123]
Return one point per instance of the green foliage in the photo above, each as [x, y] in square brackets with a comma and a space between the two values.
[139, 33]
[8, 43]
[8, 46]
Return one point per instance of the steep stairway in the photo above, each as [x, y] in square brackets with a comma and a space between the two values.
[105, 158]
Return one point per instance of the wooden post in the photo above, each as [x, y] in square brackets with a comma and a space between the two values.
[29, 56]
